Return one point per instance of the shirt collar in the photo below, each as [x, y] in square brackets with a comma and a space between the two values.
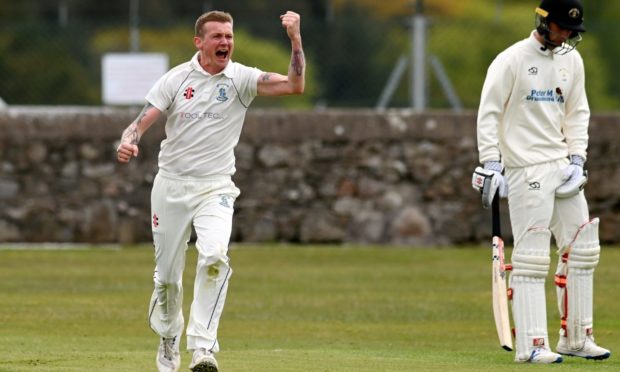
[228, 70]
[538, 46]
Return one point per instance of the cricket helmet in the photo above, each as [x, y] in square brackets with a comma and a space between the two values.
[568, 14]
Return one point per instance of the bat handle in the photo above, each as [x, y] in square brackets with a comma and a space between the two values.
[495, 221]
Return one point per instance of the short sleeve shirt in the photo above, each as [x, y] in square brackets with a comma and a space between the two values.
[205, 117]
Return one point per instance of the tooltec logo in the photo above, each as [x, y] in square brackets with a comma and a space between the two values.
[534, 186]
[532, 71]
[200, 115]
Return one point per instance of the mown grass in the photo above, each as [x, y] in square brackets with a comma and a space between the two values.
[289, 308]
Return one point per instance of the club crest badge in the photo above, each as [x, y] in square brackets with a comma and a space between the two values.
[221, 92]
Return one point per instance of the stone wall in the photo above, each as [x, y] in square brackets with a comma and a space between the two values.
[312, 177]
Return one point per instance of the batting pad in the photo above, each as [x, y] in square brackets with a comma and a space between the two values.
[530, 315]
[574, 284]
[530, 266]
[530, 257]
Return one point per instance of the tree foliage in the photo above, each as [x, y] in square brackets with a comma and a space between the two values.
[351, 45]
[35, 71]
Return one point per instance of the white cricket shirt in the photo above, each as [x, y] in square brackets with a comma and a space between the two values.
[205, 116]
[533, 107]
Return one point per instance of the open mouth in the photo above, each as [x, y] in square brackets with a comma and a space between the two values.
[221, 53]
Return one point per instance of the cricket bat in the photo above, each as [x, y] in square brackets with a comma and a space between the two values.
[500, 294]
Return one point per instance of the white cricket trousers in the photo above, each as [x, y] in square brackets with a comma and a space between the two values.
[533, 205]
[177, 204]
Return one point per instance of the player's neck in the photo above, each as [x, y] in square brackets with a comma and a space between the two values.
[208, 67]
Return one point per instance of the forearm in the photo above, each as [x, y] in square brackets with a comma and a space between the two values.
[130, 134]
[297, 67]
[135, 130]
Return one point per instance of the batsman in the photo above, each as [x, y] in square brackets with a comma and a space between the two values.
[532, 133]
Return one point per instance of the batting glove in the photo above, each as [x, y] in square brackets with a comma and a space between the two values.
[576, 178]
[488, 181]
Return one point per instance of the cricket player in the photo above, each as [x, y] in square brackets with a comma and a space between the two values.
[532, 141]
[205, 100]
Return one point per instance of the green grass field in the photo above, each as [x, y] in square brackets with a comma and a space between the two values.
[301, 308]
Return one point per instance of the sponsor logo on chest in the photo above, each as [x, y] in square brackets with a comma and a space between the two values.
[197, 99]
[545, 95]
[548, 95]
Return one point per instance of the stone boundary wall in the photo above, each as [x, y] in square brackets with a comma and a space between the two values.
[344, 176]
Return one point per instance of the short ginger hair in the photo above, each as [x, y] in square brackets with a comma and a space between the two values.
[212, 16]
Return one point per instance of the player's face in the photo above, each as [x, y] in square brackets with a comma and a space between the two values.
[558, 35]
[216, 46]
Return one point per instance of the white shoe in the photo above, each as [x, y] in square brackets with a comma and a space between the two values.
[540, 355]
[590, 350]
[168, 356]
[203, 361]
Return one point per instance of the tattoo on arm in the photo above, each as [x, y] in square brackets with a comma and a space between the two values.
[298, 62]
[131, 135]
[266, 77]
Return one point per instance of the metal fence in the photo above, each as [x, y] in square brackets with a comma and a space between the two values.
[51, 51]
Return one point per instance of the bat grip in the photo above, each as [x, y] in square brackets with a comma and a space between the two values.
[495, 221]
